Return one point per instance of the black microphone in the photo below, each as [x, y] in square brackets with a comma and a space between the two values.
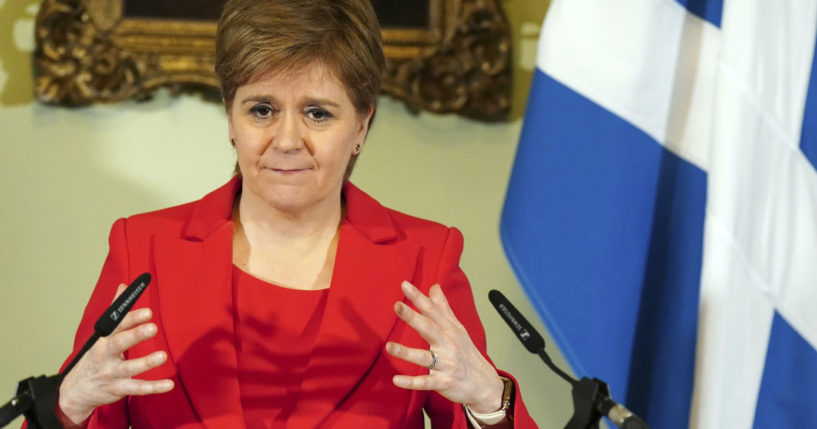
[592, 392]
[112, 317]
[524, 331]
[517, 322]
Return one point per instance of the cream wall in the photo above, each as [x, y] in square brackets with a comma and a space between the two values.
[67, 174]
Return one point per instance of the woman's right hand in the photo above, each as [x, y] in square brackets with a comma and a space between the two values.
[103, 376]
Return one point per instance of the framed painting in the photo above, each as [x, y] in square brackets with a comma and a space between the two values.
[444, 56]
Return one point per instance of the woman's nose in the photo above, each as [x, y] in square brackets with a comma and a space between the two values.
[289, 136]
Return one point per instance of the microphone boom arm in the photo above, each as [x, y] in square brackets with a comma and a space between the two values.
[591, 397]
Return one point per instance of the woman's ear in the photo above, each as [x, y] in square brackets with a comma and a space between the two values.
[230, 133]
[363, 127]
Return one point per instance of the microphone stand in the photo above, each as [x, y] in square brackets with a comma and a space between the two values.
[588, 396]
[591, 401]
[36, 397]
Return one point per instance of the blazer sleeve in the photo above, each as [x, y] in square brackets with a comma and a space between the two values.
[449, 275]
[114, 271]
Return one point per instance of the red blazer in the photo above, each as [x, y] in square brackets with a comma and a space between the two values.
[188, 252]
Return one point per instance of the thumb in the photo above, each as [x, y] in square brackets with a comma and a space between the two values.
[121, 288]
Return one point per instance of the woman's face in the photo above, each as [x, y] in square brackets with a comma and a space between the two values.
[294, 134]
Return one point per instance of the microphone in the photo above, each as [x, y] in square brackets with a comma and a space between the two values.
[517, 322]
[591, 395]
[524, 331]
[112, 317]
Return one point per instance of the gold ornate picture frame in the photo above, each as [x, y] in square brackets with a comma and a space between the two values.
[455, 58]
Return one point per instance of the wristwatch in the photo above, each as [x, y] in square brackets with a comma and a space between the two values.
[481, 420]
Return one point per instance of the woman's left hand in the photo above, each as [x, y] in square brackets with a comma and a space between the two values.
[461, 374]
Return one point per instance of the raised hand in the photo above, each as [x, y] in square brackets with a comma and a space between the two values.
[104, 376]
[459, 372]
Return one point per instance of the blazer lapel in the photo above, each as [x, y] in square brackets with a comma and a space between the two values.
[193, 276]
[359, 314]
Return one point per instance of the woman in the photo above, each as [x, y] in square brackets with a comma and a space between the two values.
[275, 296]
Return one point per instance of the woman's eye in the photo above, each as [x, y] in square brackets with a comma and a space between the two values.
[262, 111]
[318, 114]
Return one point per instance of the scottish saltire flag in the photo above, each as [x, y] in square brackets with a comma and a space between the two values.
[662, 211]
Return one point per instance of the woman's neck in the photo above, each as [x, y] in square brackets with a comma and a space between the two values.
[295, 250]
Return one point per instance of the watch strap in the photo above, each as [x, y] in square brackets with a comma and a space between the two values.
[480, 420]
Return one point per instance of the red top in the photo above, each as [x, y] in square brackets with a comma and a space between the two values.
[275, 331]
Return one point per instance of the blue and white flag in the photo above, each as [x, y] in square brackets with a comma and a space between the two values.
[662, 211]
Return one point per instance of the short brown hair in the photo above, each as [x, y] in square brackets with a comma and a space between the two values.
[260, 36]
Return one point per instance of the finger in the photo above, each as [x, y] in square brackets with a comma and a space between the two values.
[134, 367]
[422, 302]
[418, 382]
[438, 297]
[421, 357]
[423, 325]
[134, 318]
[135, 387]
[124, 340]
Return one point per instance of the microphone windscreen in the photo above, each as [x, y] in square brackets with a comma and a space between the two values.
[517, 322]
[111, 318]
